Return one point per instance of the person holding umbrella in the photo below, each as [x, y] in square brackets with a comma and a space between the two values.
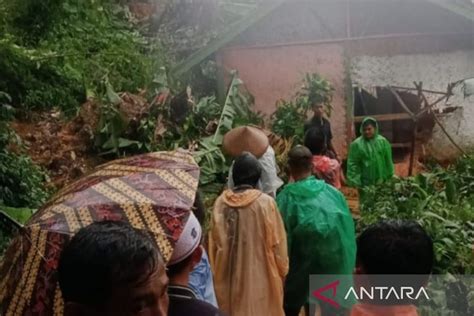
[253, 140]
[153, 192]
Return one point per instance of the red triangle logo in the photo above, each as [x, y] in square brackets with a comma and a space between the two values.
[331, 286]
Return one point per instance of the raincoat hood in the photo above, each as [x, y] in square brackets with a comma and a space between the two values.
[370, 160]
[240, 199]
[369, 119]
[305, 188]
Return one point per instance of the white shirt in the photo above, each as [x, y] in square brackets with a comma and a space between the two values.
[269, 180]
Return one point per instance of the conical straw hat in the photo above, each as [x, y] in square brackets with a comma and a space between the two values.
[245, 138]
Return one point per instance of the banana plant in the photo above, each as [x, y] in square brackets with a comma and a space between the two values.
[209, 155]
[230, 110]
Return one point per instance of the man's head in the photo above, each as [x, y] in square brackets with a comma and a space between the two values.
[246, 170]
[318, 109]
[111, 268]
[395, 247]
[187, 252]
[300, 162]
[314, 140]
[369, 128]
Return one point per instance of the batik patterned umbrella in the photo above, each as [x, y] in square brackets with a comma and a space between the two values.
[152, 192]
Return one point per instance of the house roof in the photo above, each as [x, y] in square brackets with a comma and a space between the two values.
[300, 20]
[464, 8]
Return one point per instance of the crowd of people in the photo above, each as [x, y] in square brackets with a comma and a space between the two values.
[264, 242]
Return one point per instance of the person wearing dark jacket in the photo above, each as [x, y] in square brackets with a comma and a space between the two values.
[319, 123]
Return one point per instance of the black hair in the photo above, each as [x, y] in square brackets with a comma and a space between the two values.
[370, 122]
[246, 170]
[395, 247]
[103, 256]
[315, 141]
[300, 159]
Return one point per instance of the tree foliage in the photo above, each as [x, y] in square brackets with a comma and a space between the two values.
[315, 90]
[288, 120]
[57, 52]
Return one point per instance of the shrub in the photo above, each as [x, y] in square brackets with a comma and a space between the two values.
[57, 53]
[21, 181]
[441, 201]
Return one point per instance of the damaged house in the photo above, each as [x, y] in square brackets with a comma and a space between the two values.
[363, 47]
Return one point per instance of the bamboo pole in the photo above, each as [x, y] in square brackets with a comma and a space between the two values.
[413, 138]
[416, 89]
[405, 107]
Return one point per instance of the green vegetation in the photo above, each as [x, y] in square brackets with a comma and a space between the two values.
[203, 127]
[21, 182]
[56, 53]
[284, 118]
[183, 123]
[60, 53]
[442, 201]
[315, 90]
[21, 215]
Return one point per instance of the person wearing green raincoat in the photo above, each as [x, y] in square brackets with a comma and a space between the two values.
[370, 157]
[320, 230]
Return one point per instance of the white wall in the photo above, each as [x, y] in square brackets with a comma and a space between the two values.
[435, 71]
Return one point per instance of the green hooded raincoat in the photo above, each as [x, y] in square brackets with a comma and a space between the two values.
[370, 160]
[320, 235]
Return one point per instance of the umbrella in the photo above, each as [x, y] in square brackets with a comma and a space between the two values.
[153, 192]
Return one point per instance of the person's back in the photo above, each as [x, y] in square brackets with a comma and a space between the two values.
[184, 302]
[247, 249]
[320, 230]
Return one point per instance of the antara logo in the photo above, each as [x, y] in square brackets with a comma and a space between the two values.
[379, 293]
[331, 286]
[386, 293]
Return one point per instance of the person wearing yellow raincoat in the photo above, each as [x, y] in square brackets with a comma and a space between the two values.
[247, 246]
[370, 157]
